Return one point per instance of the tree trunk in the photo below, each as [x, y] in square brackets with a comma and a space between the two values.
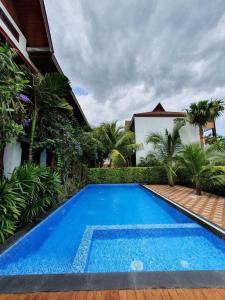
[198, 189]
[32, 133]
[214, 129]
[170, 177]
[171, 182]
[53, 160]
[201, 135]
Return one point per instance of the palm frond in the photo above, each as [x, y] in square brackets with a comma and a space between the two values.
[117, 159]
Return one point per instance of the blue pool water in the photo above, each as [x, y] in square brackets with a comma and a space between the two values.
[114, 228]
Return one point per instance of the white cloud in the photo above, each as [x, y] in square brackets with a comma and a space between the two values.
[130, 56]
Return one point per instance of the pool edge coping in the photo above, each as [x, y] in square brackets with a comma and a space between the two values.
[111, 281]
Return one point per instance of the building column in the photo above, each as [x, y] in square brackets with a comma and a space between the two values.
[12, 158]
[43, 158]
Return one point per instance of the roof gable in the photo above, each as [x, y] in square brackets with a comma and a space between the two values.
[159, 107]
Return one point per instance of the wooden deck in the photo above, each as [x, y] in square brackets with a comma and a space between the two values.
[208, 206]
[149, 294]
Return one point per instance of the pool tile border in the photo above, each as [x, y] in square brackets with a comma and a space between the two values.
[80, 260]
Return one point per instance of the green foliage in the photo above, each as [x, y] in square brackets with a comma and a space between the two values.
[149, 161]
[40, 188]
[204, 111]
[126, 175]
[216, 142]
[166, 147]
[11, 204]
[12, 83]
[199, 165]
[47, 94]
[31, 190]
[118, 145]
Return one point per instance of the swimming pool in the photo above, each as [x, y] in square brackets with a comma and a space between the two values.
[114, 228]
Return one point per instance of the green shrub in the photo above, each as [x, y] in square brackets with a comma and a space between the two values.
[11, 204]
[127, 175]
[146, 175]
[184, 179]
[70, 187]
[40, 188]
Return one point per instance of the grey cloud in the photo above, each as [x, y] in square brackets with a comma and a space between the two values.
[130, 54]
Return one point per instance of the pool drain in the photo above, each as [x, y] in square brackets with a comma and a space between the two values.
[184, 263]
[136, 265]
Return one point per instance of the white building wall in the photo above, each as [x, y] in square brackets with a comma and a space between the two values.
[12, 158]
[146, 125]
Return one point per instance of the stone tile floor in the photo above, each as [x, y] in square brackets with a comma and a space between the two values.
[208, 206]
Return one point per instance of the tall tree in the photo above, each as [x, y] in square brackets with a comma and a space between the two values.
[47, 93]
[202, 112]
[166, 147]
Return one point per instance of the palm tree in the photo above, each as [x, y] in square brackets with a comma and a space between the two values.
[118, 144]
[202, 112]
[217, 108]
[200, 165]
[47, 93]
[166, 147]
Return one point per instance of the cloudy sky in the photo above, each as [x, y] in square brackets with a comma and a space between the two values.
[125, 56]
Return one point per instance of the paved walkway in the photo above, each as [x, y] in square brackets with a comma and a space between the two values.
[208, 206]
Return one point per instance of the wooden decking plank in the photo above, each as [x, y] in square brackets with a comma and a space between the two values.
[212, 294]
[221, 293]
[174, 294]
[122, 295]
[81, 295]
[97, 295]
[131, 295]
[157, 294]
[147, 294]
[139, 295]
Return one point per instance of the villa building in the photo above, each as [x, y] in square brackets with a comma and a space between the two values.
[24, 25]
[142, 124]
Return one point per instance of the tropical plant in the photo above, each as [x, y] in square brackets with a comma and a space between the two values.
[166, 147]
[11, 204]
[47, 93]
[39, 186]
[118, 145]
[217, 142]
[202, 112]
[149, 160]
[200, 165]
[12, 84]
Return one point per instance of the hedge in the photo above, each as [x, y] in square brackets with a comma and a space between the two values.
[127, 175]
[145, 175]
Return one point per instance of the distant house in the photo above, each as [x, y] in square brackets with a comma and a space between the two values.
[24, 25]
[142, 124]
